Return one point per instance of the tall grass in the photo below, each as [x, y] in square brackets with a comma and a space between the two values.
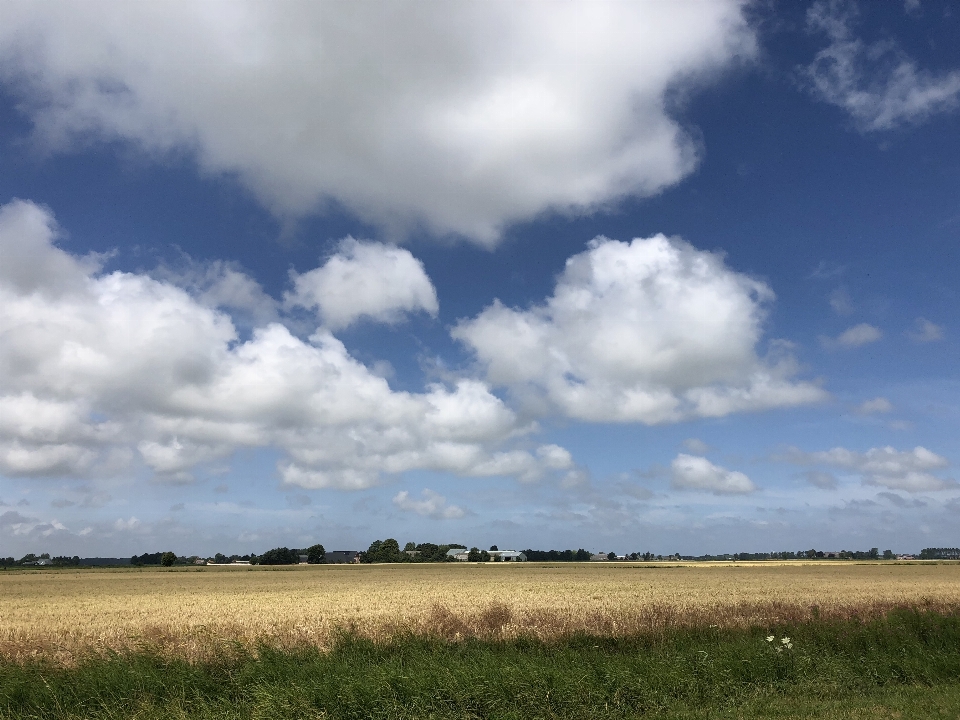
[674, 671]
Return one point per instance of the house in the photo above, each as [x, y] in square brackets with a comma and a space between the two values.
[599, 557]
[461, 554]
[343, 557]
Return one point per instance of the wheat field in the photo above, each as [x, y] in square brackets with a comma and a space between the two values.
[198, 613]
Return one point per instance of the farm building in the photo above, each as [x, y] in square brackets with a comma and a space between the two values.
[462, 555]
[508, 556]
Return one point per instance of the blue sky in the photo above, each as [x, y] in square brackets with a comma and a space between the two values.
[668, 277]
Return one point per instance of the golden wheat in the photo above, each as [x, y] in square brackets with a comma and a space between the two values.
[197, 613]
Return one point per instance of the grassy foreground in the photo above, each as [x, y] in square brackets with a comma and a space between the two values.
[906, 664]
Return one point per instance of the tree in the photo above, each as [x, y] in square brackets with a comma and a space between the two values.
[384, 551]
[429, 552]
[168, 559]
[874, 553]
[494, 547]
[280, 556]
[888, 554]
[473, 555]
[409, 546]
[316, 554]
[611, 556]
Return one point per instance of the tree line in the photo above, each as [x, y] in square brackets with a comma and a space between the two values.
[315, 554]
[940, 554]
[388, 551]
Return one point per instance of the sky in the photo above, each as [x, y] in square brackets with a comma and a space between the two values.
[627, 276]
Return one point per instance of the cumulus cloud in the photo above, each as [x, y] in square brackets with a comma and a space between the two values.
[696, 446]
[925, 331]
[458, 117]
[223, 285]
[689, 472]
[910, 470]
[652, 331]
[101, 370]
[877, 84]
[13, 523]
[365, 279]
[877, 405]
[431, 504]
[856, 336]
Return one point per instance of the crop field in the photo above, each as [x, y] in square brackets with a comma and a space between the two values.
[195, 614]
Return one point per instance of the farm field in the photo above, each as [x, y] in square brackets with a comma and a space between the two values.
[497, 642]
[197, 613]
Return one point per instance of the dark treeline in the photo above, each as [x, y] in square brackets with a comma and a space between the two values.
[940, 554]
[277, 556]
[43, 559]
[388, 551]
[812, 554]
[580, 555]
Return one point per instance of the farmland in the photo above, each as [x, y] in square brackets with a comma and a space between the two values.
[191, 613]
[600, 640]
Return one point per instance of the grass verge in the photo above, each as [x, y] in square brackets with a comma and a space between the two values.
[907, 662]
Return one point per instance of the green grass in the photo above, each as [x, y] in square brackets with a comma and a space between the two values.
[906, 663]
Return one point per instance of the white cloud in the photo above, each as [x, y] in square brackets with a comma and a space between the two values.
[910, 470]
[688, 472]
[98, 369]
[840, 302]
[876, 405]
[365, 279]
[460, 117]
[223, 285]
[651, 331]
[926, 331]
[432, 505]
[878, 84]
[862, 334]
[125, 525]
[696, 446]
[911, 6]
